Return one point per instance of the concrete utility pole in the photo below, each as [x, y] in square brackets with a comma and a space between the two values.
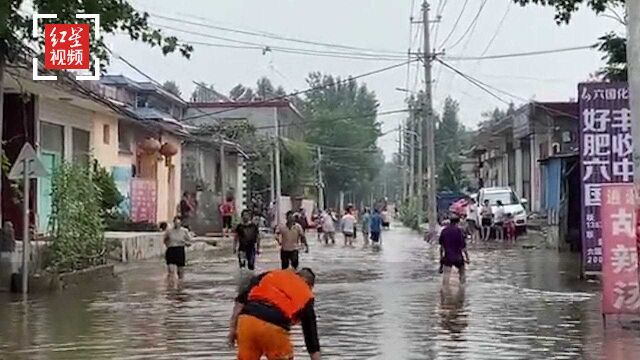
[276, 160]
[633, 59]
[320, 180]
[428, 138]
[412, 153]
[401, 163]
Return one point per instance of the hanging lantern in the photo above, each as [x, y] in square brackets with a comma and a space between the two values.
[150, 146]
[168, 150]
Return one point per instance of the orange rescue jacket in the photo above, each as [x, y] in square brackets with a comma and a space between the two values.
[283, 289]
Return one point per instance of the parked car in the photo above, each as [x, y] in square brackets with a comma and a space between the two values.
[512, 204]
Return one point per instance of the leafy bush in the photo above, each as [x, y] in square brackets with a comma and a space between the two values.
[110, 197]
[409, 214]
[76, 224]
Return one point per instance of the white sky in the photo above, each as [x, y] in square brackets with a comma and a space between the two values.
[379, 24]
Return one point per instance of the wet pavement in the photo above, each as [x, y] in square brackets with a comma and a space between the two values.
[518, 304]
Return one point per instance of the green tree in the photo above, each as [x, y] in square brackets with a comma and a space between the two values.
[241, 93]
[297, 167]
[76, 225]
[450, 141]
[612, 45]
[172, 87]
[341, 116]
[204, 93]
[264, 88]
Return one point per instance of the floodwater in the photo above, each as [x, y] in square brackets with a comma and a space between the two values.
[518, 304]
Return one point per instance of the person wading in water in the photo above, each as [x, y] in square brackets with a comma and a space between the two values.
[290, 236]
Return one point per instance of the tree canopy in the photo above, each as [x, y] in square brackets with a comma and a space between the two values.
[341, 117]
[172, 87]
[115, 16]
[566, 8]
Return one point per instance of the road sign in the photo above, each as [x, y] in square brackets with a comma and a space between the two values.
[34, 165]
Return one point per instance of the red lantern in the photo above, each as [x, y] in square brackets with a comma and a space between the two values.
[168, 149]
[150, 146]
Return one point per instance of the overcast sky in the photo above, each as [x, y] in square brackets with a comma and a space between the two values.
[380, 25]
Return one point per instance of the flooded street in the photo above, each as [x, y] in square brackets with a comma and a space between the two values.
[518, 304]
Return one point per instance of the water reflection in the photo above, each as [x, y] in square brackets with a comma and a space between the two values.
[453, 317]
[516, 304]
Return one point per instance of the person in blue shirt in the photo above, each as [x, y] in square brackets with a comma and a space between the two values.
[375, 227]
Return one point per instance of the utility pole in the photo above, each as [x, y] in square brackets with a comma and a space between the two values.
[320, 180]
[276, 161]
[633, 59]
[412, 152]
[428, 138]
[401, 164]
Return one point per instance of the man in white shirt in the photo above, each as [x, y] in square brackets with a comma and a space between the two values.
[348, 225]
[328, 227]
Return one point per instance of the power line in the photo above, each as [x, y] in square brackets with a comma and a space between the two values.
[308, 90]
[297, 52]
[455, 25]
[349, 117]
[498, 29]
[269, 48]
[471, 25]
[522, 54]
[209, 25]
[485, 87]
[473, 81]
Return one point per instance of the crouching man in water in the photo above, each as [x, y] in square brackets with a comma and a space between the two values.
[266, 309]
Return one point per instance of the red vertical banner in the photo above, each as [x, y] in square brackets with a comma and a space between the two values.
[620, 287]
[143, 200]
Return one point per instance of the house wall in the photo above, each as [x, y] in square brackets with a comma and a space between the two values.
[106, 152]
[262, 118]
[168, 182]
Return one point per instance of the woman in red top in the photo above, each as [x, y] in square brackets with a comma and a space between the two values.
[227, 209]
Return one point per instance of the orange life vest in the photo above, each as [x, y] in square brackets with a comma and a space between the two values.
[283, 289]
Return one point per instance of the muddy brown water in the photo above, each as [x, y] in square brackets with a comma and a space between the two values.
[518, 304]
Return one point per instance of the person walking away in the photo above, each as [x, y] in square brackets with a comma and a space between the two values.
[385, 219]
[453, 250]
[176, 239]
[227, 209]
[499, 217]
[328, 227]
[510, 228]
[375, 228]
[266, 309]
[246, 242]
[317, 221]
[289, 237]
[472, 215]
[486, 218]
[186, 209]
[348, 225]
[301, 219]
[365, 225]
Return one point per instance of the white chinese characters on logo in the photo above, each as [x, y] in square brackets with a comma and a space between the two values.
[596, 120]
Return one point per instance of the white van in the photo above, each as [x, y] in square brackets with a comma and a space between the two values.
[512, 204]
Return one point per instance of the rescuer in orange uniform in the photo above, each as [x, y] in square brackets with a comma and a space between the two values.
[266, 309]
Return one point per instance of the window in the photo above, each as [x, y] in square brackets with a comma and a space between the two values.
[125, 139]
[52, 138]
[80, 146]
[507, 197]
[106, 134]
